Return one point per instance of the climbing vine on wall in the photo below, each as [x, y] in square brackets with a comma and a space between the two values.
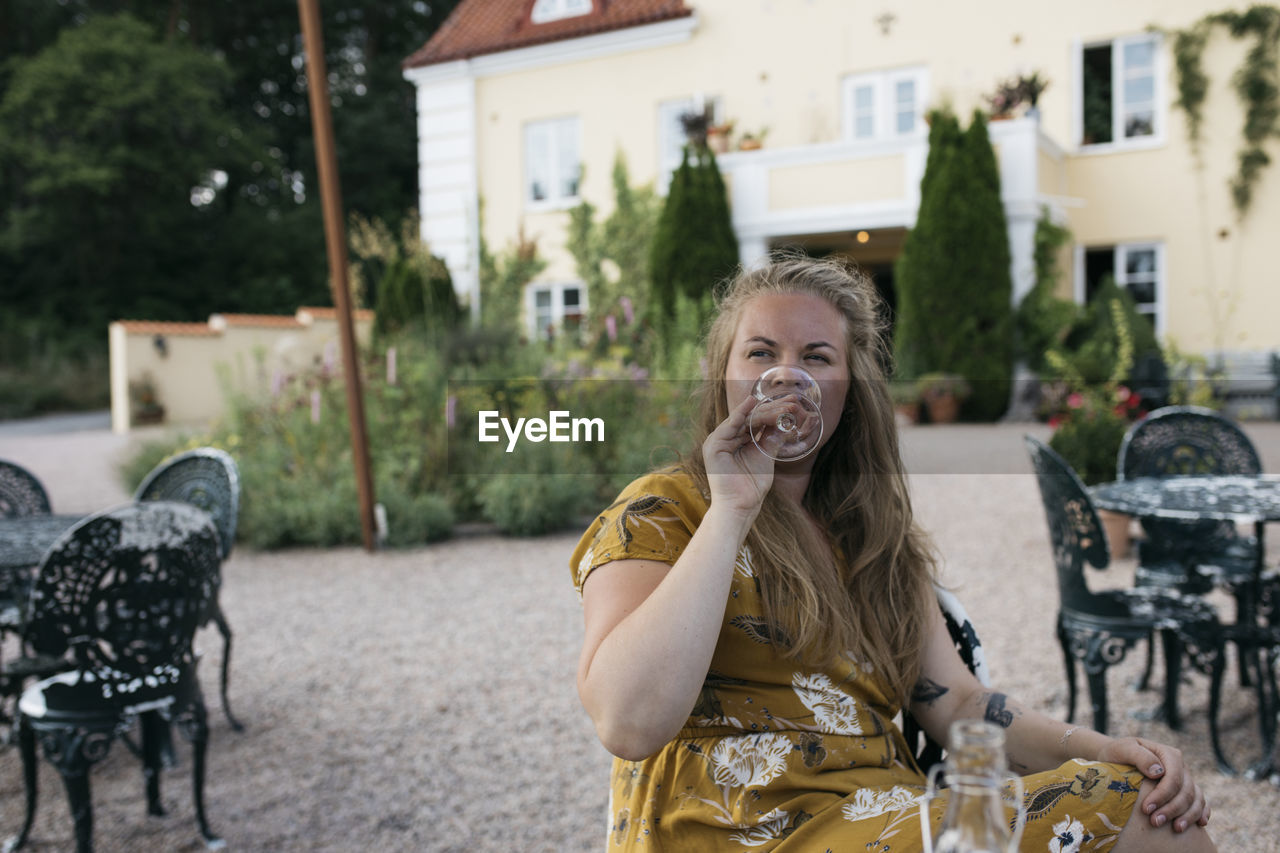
[1256, 81]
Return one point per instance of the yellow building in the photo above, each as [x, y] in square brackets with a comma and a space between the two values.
[524, 106]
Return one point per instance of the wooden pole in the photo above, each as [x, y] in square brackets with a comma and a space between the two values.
[336, 241]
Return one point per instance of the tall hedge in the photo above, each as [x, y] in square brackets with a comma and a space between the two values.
[694, 246]
[953, 279]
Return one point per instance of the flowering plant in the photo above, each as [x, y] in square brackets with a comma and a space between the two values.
[1090, 427]
[1009, 94]
[1091, 418]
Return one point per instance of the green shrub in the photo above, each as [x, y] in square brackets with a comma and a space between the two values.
[1089, 437]
[414, 519]
[533, 504]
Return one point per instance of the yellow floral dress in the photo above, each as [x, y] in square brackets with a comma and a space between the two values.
[779, 757]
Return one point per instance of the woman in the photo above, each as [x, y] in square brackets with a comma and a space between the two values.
[752, 628]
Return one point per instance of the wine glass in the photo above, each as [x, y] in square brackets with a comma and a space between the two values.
[786, 424]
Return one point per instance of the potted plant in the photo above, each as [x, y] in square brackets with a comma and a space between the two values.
[1088, 435]
[750, 140]
[942, 394]
[718, 136]
[145, 407]
[1010, 94]
[906, 400]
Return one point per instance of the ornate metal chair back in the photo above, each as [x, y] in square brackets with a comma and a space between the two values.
[20, 492]
[1075, 531]
[1182, 440]
[123, 592]
[205, 477]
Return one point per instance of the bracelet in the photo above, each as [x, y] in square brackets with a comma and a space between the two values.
[1062, 741]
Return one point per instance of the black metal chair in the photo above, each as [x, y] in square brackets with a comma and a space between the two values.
[21, 492]
[1190, 555]
[1194, 556]
[120, 597]
[1098, 628]
[209, 479]
[925, 749]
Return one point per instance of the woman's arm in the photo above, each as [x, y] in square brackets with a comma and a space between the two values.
[1035, 742]
[650, 628]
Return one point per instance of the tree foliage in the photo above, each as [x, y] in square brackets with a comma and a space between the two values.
[623, 240]
[694, 247]
[212, 105]
[953, 279]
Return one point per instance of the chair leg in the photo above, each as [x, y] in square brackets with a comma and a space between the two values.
[1098, 697]
[196, 727]
[1246, 614]
[77, 785]
[1144, 680]
[1215, 703]
[1172, 676]
[155, 735]
[223, 628]
[1071, 675]
[27, 747]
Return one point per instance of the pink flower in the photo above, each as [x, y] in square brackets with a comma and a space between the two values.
[611, 327]
[1075, 400]
[628, 311]
[1056, 421]
[1122, 393]
[451, 411]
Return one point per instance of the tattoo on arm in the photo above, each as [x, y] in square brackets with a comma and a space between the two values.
[996, 711]
[927, 691]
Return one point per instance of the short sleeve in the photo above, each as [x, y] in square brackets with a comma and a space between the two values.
[652, 519]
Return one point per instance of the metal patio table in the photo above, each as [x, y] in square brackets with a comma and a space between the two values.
[1242, 499]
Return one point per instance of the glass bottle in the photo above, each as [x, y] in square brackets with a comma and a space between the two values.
[983, 795]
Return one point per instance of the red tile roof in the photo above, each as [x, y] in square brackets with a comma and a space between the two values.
[478, 27]
[271, 321]
[315, 313]
[154, 327]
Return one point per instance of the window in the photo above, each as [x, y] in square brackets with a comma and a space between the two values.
[555, 308]
[1136, 267]
[552, 167]
[671, 137]
[545, 11]
[884, 104]
[1121, 89]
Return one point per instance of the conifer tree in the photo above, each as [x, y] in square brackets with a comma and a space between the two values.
[953, 279]
[694, 247]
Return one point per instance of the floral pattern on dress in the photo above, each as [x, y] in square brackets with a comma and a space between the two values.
[780, 758]
[1069, 835]
[834, 711]
[872, 802]
[749, 761]
[773, 826]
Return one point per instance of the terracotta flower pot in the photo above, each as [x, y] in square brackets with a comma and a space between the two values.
[1117, 526]
[943, 408]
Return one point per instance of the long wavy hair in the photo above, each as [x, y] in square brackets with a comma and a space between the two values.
[866, 588]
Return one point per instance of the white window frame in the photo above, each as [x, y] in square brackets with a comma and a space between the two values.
[554, 132]
[671, 136]
[546, 11]
[1119, 107]
[883, 85]
[1158, 309]
[556, 289]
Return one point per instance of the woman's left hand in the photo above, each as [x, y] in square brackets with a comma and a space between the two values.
[1176, 799]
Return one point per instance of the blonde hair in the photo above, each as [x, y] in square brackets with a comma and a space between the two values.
[865, 590]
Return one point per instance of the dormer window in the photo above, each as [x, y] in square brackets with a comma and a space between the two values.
[545, 11]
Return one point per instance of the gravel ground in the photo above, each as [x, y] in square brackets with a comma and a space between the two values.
[423, 700]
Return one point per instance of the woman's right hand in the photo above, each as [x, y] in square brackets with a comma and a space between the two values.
[738, 473]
